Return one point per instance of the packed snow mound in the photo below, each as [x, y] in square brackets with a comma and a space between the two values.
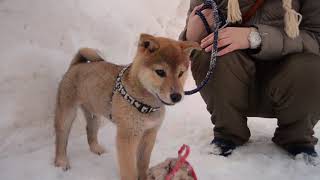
[38, 40]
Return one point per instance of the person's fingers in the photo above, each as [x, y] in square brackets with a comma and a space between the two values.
[224, 42]
[222, 38]
[206, 38]
[223, 34]
[207, 13]
[221, 43]
[196, 8]
[199, 6]
[206, 43]
[228, 49]
[208, 49]
[224, 30]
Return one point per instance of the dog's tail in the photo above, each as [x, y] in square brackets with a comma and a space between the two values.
[86, 55]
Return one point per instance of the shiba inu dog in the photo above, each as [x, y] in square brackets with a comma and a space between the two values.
[133, 97]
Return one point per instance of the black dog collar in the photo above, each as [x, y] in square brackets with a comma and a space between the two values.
[141, 107]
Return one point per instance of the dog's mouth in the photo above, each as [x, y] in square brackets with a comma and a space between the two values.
[164, 102]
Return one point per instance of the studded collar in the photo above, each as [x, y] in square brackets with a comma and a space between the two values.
[141, 107]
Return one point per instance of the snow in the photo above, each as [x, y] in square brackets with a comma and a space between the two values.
[38, 39]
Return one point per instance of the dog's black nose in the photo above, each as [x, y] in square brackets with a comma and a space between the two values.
[175, 97]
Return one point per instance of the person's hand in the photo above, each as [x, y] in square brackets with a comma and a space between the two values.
[195, 28]
[230, 39]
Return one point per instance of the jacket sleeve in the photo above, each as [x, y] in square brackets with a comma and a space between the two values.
[193, 4]
[276, 44]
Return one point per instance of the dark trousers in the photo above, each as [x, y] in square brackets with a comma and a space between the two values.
[241, 87]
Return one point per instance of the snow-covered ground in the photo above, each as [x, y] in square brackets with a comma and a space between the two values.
[38, 39]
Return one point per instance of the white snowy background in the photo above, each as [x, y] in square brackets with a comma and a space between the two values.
[37, 41]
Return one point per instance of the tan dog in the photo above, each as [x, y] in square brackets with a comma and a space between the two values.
[156, 77]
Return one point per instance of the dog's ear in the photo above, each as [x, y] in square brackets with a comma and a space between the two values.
[148, 42]
[190, 48]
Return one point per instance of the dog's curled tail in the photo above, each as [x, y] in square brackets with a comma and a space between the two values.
[86, 55]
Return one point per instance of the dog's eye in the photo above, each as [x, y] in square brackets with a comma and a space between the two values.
[160, 72]
[180, 74]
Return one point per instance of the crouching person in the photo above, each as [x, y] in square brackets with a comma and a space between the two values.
[268, 65]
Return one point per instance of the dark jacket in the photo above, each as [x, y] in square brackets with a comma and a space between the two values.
[270, 23]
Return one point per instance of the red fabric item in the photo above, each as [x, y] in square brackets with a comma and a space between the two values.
[182, 160]
[252, 11]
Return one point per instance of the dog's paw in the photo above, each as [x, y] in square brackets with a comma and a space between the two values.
[62, 163]
[97, 149]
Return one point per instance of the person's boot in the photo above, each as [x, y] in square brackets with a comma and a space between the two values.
[306, 153]
[222, 147]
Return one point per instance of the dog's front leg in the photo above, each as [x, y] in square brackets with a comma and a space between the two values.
[127, 145]
[144, 152]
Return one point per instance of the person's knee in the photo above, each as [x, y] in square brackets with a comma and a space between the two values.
[236, 64]
[228, 69]
[231, 64]
[303, 71]
[303, 66]
[297, 85]
[299, 70]
[237, 59]
[232, 71]
[230, 74]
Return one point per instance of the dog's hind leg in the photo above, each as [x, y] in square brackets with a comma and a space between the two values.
[63, 122]
[93, 123]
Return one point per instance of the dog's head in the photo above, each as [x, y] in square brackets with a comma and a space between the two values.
[161, 65]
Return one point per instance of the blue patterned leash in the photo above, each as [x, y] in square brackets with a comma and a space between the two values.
[213, 59]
